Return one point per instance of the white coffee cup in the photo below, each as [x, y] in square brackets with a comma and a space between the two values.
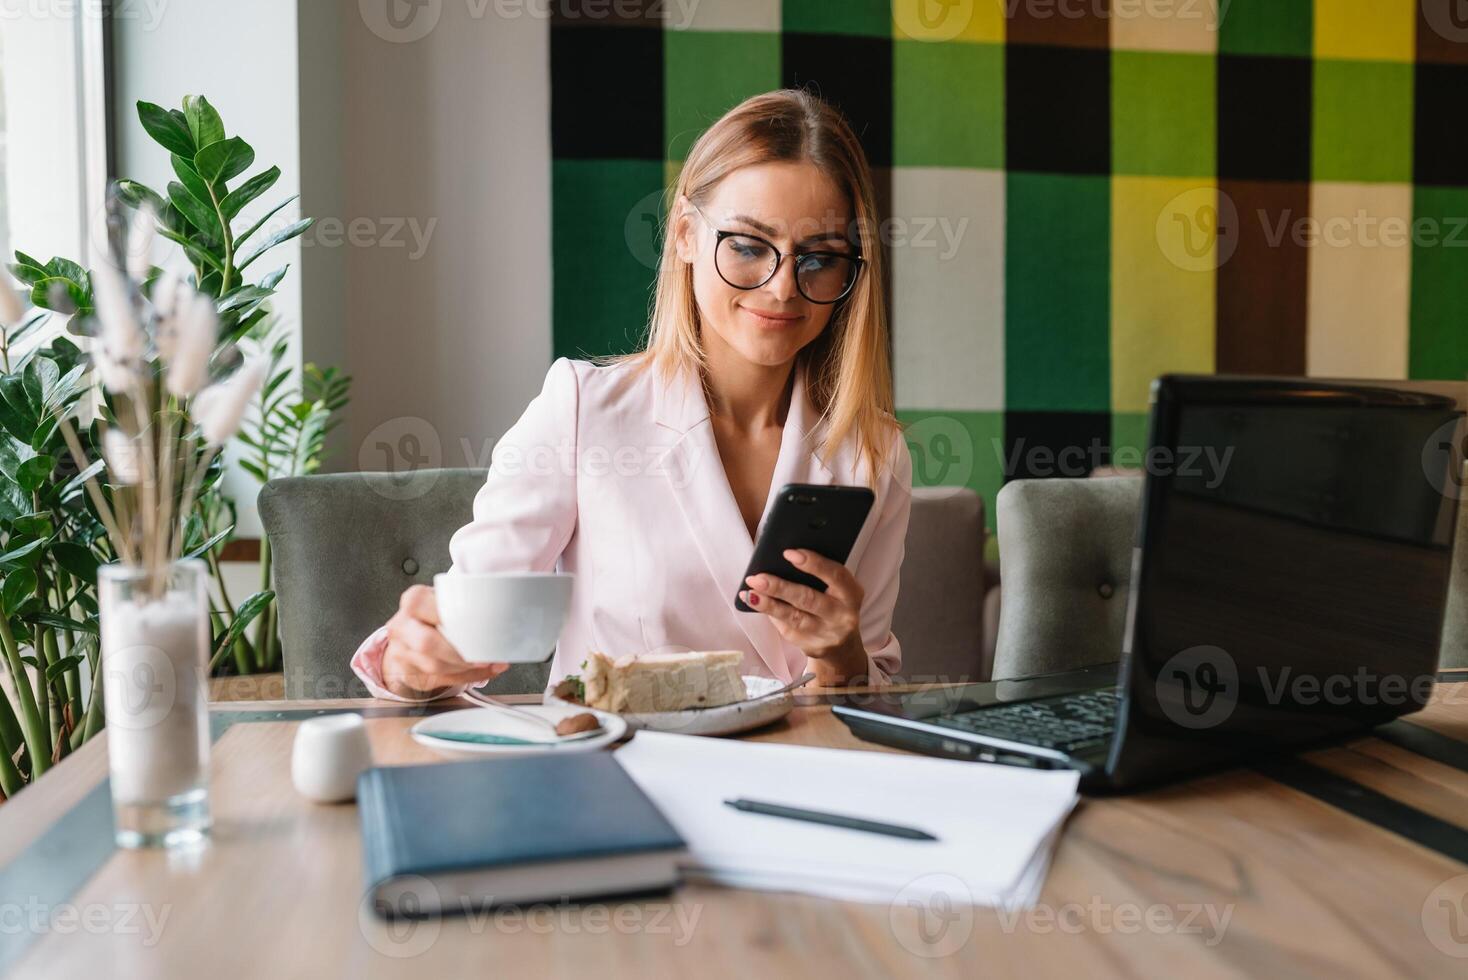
[508, 618]
[329, 753]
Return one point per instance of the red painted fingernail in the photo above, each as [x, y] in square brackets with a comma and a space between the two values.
[753, 599]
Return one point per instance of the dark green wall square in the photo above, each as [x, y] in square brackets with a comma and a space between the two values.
[1362, 121]
[1282, 27]
[870, 17]
[946, 446]
[603, 253]
[1057, 332]
[1164, 111]
[948, 104]
[707, 73]
[1438, 348]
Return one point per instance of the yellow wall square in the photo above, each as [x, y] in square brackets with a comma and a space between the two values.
[948, 20]
[1366, 30]
[1162, 284]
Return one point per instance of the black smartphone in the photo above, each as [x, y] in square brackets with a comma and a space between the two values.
[823, 519]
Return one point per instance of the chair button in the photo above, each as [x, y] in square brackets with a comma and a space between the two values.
[410, 567]
[1105, 590]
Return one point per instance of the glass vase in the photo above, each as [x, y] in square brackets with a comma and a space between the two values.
[155, 664]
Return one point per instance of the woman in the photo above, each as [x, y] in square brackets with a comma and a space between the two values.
[647, 476]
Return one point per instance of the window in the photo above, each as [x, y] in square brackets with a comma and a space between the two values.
[53, 130]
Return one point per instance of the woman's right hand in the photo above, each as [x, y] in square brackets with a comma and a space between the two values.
[418, 662]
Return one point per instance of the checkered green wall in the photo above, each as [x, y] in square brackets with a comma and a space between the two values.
[1081, 194]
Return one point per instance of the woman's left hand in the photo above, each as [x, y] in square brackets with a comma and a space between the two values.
[825, 625]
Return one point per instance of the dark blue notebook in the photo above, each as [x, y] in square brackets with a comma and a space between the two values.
[455, 837]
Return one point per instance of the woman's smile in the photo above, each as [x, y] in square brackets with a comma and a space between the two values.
[772, 319]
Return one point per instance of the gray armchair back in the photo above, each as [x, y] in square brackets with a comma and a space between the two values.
[346, 545]
[939, 617]
[1067, 547]
[1066, 551]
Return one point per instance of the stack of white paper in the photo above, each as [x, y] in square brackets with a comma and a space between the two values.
[996, 825]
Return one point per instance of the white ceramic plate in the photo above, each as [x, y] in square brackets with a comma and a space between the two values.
[488, 721]
[755, 710]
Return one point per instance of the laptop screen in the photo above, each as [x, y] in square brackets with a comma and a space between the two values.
[1293, 562]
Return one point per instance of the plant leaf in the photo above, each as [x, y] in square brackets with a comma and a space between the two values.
[19, 585]
[41, 376]
[284, 235]
[205, 126]
[273, 280]
[242, 195]
[134, 195]
[60, 296]
[44, 432]
[224, 160]
[65, 623]
[169, 130]
[243, 616]
[195, 252]
[76, 559]
[62, 666]
[202, 216]
[244, 296]
[209, 544]
[27, 273]
[191, 180]
[239, 240]
[34, 472]
[15, 556]
[75, 483]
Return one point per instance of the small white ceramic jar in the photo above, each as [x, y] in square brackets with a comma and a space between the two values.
[330, 752]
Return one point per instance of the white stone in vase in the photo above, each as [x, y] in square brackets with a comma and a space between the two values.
[154, 657]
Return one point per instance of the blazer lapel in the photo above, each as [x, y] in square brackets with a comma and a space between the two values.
[696, 476]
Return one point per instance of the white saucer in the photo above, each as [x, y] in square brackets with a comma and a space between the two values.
[726, 719]
[488, 721]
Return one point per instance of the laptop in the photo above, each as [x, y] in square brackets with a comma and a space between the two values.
[1289, 580]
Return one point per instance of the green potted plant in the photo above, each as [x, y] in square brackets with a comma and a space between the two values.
[200, 212]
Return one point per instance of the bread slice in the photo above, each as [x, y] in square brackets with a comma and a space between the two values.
[646, 682]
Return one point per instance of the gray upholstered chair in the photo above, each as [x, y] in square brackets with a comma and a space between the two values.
[346, 545]
[1066, 546]
[939, 617]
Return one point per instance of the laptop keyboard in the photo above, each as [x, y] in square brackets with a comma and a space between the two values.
[1066, 723]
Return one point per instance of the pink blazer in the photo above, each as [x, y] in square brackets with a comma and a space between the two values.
[614, 476]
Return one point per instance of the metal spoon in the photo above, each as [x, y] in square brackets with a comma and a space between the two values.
[800, 681]
[486, 701]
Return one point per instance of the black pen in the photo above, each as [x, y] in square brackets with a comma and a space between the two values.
[829, 819]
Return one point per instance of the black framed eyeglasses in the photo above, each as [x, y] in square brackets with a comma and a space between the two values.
[748, 262]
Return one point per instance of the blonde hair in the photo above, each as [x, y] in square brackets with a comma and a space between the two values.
[848, 367]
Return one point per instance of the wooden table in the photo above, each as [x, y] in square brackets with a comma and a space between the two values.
[1232, 875]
